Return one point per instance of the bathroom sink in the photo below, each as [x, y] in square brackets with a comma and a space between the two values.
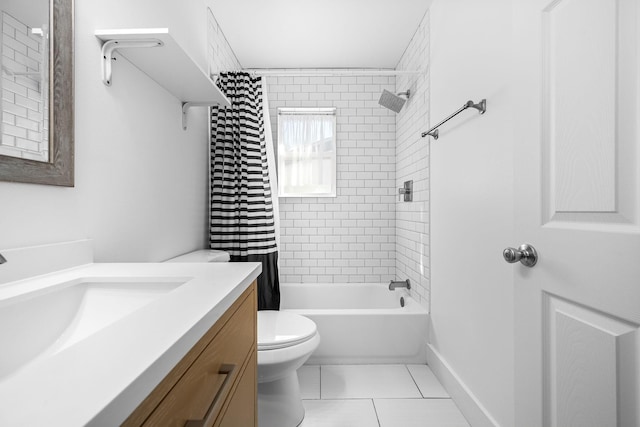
[43, 322]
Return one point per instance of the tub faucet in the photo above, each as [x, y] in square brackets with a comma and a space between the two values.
[399, 284]
[2, 259]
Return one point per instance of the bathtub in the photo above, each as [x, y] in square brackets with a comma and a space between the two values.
[360, 323]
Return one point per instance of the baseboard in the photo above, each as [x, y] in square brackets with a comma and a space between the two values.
[471, 408]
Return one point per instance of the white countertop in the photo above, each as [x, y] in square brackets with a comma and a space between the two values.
[102, 379]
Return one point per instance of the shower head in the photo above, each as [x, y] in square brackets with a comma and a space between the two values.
[393, 102]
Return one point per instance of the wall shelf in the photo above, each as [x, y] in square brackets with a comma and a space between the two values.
[159, 56]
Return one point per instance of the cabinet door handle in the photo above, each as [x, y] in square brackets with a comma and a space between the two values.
[229, 370]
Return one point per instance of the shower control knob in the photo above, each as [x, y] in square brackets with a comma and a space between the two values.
[526, 254]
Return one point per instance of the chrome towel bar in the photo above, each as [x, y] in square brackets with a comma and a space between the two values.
[481, 107]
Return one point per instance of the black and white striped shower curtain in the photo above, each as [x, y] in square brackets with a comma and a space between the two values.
[242, 217]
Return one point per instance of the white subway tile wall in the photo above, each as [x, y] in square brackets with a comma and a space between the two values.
[220, 56]
[412, 163]
[25, 105]
[349, 238]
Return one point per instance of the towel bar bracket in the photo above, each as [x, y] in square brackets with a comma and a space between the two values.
[480, 106]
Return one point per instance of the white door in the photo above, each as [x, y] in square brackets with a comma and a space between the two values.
[577, 142]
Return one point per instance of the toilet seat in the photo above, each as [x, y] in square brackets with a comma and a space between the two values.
[281, 329]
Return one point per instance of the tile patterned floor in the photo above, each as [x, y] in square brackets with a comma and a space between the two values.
[375, 396]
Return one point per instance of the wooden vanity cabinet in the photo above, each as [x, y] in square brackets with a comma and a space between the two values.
[215, 384]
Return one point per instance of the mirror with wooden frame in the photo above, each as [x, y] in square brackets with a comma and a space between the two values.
[38, 106]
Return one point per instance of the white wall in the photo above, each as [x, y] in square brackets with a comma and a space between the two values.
[349, 238]
[141, 181]
[471, 202]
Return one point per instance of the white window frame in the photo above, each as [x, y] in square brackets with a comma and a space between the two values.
[329, 111]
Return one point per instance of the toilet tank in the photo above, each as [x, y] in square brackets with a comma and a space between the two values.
[203, 255]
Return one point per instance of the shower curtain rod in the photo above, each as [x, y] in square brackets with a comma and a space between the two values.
[330, 73]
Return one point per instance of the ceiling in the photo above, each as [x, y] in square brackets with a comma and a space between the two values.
[319, 33]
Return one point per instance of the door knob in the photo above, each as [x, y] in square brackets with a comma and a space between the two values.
[526, 254]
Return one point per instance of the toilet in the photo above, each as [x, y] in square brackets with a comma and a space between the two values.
[285, 342]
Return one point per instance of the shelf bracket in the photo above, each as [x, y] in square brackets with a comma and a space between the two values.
[110, 46]
[187, 105]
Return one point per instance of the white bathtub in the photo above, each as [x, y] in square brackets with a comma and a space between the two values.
[360, 323]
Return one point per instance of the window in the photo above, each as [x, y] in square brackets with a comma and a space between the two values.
[307, 152]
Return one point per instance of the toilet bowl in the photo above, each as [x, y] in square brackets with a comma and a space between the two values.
[285, 342]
